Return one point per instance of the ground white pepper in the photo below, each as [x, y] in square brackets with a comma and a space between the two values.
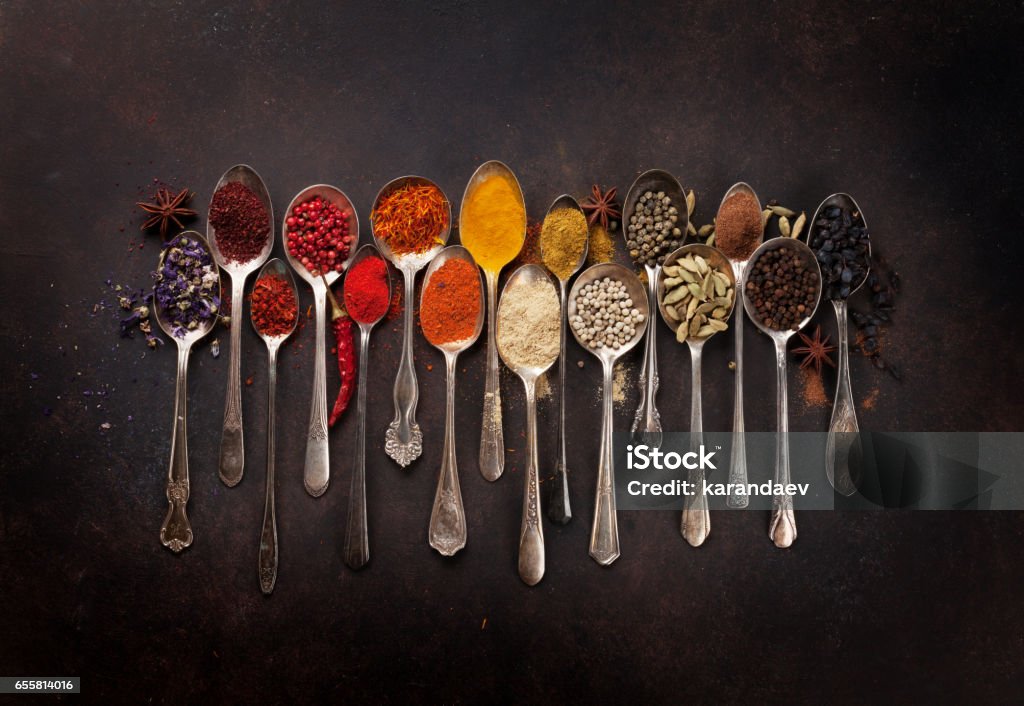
[528, 324]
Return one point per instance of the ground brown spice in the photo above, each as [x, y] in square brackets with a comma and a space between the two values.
[813, 392]
[602, 245]
[739, 226]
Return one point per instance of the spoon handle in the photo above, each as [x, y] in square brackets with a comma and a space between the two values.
[843, 430]
[268, 535]
[176, 532]
[316, 474]
[447, 531]
[738, 455]
[782, 530]
[357, 537]
[647, 420]
[559, 508]
[531, 533]
[232, 450]
[696, 522]
[492, 445]
[604, 535]
[404, 440]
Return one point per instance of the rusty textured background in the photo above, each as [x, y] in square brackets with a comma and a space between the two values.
[911, 107]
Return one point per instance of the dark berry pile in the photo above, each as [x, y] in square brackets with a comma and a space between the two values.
[783, 287]
[841, 243]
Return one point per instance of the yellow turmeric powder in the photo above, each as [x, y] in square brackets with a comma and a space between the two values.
[493, 222]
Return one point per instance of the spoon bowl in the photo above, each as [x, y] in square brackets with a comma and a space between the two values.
[782, 530]
[316, 470]
[559, 506]
[268, 549]
[413, 261]
[492, 445]
[457, 252]
[647, 421]
[246, 175]
[161, 315]
[604, 533]
[843, 445]
[715, 258]
[363, 252]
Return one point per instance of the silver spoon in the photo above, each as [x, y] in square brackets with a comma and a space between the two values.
[531, 533]
[782, 529]
[403, 439]
[559, 507]
[357, 538]
[738, 455]
[604, 534]
[232, 450]
[316, 472]
[696, 520]
[176, 532]
[647, 422]
[447, 531]
[843, 430]
[492, 444]
[268, 535]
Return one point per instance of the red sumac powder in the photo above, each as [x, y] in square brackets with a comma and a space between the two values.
[240, 221]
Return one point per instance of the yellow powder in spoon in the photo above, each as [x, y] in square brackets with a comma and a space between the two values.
[493, 222]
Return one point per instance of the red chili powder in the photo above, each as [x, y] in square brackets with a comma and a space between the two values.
[451, 303]
[366, 290]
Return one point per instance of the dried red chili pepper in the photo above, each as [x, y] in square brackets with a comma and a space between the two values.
[341, 324]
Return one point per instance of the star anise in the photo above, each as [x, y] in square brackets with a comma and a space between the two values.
[601, 207]
[166, 208]
[816, 351]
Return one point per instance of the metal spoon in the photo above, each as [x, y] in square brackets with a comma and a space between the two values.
[492, 444]
[843, 430]
[559, 508]
[647, 422]
[531, 533]
[232, 450]
[403, 439]
[696, 521]
[738, 455]
[604, 534]
[176, 532]
[268, 535]
[357, 538]
[316, 473]
[782, 529]
[447, 531]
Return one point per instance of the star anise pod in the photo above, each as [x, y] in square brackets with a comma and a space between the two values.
[601, 207]
[816, 351]
[166, 208]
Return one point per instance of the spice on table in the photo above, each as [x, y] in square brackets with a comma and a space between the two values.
[367, 294]
[697, 296]
[240, 221]
[450, 304]
[841, 243]
[493, 222]
[274, 306]
[318, 235]
[529, 318]
[602, 207]
[341, 325]
[411, 218]
[563, 238]
[653, 228]
[165, 208]
[815, 351]
[187, 285]
[602, 245]
[605, 315]
[783, 287]
[739, 226]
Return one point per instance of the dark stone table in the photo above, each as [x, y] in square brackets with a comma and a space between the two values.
[914, 110]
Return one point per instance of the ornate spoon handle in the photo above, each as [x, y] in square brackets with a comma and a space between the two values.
[317, 469]
[782, 530]
[647, 422]
[696, 522]
[531, 533]
[176, 532]
[843, 430]
[357, 536]
[604, 535]
[232, 449]
[447, 531]
[403, 440]
[268, 535]
[492, 444]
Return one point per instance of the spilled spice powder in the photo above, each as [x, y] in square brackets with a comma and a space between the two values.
[813, 392]
[602, 245]
[870, 400]
[530, 253]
